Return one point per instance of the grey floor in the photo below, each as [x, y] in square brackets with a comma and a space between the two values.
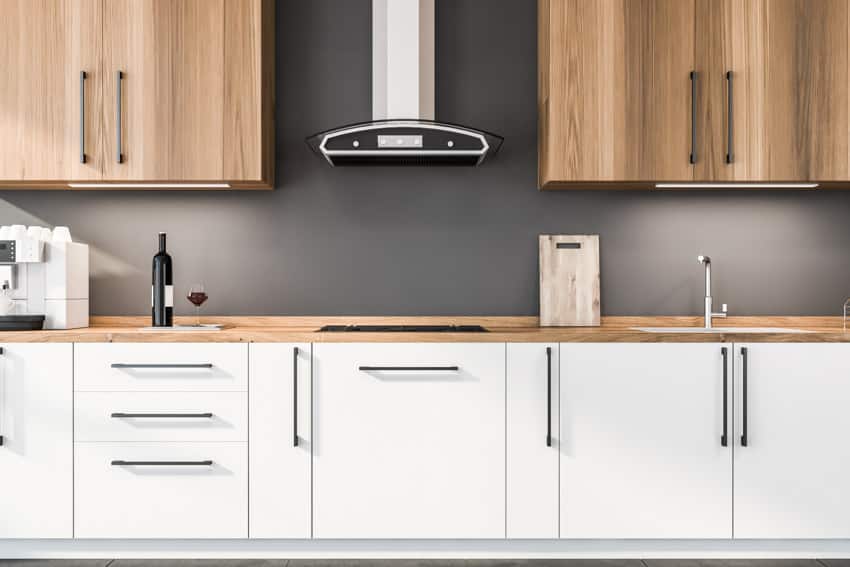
[428, 563]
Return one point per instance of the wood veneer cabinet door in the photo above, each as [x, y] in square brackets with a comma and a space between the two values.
[806, 90]
[732, 107]
[45, 45]
[615, 94]
[195, 90]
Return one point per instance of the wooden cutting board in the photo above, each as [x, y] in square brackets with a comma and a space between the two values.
[569, 280]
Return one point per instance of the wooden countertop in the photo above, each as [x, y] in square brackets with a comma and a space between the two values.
[501, 329]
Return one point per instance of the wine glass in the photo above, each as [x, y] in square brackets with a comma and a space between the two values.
[197, 296]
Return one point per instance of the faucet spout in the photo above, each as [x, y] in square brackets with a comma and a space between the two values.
[709, 301]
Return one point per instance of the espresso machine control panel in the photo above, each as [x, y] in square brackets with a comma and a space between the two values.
[7, 251]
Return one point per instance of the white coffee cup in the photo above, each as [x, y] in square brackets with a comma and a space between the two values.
[5, 232]
[62, 234]
[17, 232]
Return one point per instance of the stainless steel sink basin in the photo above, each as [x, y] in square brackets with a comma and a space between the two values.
[718, 330]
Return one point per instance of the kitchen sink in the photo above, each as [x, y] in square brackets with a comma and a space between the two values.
[718, 330]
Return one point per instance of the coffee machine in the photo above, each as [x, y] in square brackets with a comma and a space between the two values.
[43, 273]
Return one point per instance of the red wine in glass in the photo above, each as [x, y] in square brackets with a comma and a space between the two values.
[197, 296]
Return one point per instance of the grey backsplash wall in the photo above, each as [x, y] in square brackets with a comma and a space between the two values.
[441, 241]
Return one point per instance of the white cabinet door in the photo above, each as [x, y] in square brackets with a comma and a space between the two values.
[409, 440]
[36, 422]
[640, 438]
[791, 478]
[280, 458]
[532, 472]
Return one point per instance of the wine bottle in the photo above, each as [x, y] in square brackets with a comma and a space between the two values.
[162, 293]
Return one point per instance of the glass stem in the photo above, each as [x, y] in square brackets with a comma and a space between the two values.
[198, 315]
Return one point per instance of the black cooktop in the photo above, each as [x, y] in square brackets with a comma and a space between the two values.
[403, 329]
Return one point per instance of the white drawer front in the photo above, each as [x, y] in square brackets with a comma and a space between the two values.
[161, 367]
[161, 501]
[409, 441]
[161, 416]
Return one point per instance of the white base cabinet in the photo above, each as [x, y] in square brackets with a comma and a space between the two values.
[280, 440]
[36, 423]
[161, 444]
[640, 441]
[792, 479]
[409, 441]
[532, 440]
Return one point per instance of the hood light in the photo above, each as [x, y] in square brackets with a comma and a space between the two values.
[149, 185]
[736, 185]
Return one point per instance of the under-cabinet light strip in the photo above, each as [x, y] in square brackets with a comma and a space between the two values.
[736, 185]
[149, 185]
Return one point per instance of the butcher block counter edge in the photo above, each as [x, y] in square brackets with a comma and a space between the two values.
[501, 329]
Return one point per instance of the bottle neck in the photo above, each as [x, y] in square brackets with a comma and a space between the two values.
[162, 242]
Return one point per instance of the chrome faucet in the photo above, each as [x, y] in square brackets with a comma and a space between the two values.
[709, 302]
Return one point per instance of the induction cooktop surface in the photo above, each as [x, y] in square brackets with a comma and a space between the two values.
[403, 329]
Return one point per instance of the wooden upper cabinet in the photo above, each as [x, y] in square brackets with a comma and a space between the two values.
[806, 86]
[176, 91]
[615, 90]
[731, 103]
[192, 90]
[771, 99]
[45, 46]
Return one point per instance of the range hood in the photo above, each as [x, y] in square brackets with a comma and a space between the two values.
[403, 130]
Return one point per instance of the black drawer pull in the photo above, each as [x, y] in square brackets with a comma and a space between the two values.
[161, 415]
[161, 463]
[409, 368]
[129, 365]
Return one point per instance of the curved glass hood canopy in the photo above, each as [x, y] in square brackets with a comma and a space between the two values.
[403, 130]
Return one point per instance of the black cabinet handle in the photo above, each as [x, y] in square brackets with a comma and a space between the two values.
[409, 368]
[724, 439]
[729, 117]
[548, 396]
[119, 79]
[161, 463]
[131, 365]
[744, 438]
[83, 77]
[124, 415]
[693, 156]
[295, 397]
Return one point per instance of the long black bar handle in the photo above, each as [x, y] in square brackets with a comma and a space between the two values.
[125, 415]
[295, 397]
[161, 463]
[724, 439]
[548, 396]
[744, 364]
[729, 118]
[83, 77]
[130, 365]
[119, 80]
[409, 368]
[693, 156]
